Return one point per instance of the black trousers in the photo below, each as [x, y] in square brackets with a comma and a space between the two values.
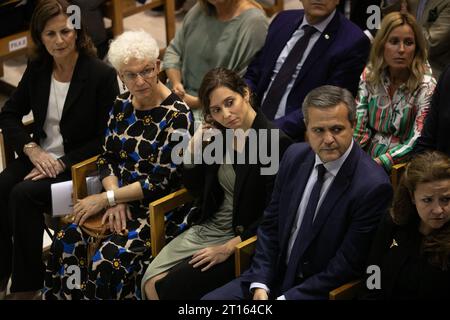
[183, 282]
[22, 204]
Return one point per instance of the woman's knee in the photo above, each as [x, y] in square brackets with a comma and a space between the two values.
[150, 286]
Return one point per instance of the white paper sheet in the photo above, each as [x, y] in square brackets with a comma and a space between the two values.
[62, 203]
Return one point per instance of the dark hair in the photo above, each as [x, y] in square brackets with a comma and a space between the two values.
[329, 96]
[46, 10]
[426, 167]
[220, 77]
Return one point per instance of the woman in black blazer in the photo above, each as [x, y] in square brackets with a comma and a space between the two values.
[232, 195]
[69, 92]
[411, 251]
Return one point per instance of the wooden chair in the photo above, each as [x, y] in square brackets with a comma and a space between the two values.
[80, 172]
[346, 292]
[158, 209]
[117, 10]
[12, 46]
[243, 255]
[396, 173]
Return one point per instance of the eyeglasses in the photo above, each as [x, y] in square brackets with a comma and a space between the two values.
[147, 73]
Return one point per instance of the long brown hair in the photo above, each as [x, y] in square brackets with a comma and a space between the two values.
[377, 65]
[426, 167]
[46, 10]
[221, 77]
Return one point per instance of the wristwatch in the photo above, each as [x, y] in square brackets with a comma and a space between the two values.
[29, 146]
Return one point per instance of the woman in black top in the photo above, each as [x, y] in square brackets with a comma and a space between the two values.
[69, 91]
[412, 245]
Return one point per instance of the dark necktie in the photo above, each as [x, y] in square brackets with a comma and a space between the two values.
[305, 229]
[284, 76]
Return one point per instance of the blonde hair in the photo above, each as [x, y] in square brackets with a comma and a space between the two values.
[377, 65]
[131, 45]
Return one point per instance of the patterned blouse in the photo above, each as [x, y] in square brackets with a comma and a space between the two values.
[388, 128]
[138, 145]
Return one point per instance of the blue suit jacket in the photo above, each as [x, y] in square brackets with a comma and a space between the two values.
[337, 248]
[338, 60]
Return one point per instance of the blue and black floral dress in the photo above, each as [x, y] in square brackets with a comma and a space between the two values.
[137, 147]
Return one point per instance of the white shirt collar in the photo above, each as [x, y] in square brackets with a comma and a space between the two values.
[333, 167]
[321, 25]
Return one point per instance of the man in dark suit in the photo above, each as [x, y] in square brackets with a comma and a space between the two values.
[335, 52]
[327, 201]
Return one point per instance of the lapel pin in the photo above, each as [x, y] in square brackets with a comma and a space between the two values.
[393, 244]
[327, 36]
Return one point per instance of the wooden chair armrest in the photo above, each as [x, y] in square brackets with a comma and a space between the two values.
[243, 253]
[396, 173]
[80, 171]
[158, 209]
[346, 291]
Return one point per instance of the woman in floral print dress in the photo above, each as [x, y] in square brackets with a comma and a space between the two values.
[135, 168]
[395, 91]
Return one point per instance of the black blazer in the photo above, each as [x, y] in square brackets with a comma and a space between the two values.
[252, 191]
[435, 132]
[405, 273]
[83, 122]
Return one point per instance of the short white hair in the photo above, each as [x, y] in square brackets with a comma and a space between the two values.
[130, 45]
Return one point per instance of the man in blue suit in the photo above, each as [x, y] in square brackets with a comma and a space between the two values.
[326, 204]
[335, 54]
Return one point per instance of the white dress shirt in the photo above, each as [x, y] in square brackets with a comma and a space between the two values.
[53, 143]
[320, 27]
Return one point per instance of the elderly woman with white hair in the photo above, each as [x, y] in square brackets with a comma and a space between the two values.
[135, 168]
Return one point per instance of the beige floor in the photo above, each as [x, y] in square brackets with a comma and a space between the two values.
[149, 21]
